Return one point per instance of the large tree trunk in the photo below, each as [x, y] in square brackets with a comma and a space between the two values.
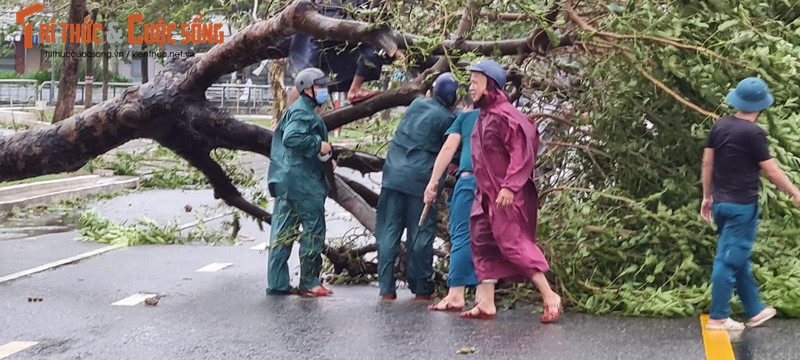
[172, 109]
[89, 86]
[68, 83]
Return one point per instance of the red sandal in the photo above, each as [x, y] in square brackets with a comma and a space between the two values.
[551, 313]
[319, 293]
[480, 315]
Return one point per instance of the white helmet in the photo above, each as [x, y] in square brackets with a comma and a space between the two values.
[310, 77]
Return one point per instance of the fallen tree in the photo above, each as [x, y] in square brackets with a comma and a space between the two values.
[625, 109]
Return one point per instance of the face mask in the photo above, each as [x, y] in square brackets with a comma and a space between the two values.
[321, 96]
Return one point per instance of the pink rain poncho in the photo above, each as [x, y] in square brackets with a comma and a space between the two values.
[504, 145]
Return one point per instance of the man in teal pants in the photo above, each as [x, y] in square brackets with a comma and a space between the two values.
[296, 181]
[736, 153]
[462, 270]
[406, 171]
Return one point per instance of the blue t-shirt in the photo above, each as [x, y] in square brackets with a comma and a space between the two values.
[463, 125]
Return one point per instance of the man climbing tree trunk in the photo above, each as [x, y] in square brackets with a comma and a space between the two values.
[89, 85]
[68, 83]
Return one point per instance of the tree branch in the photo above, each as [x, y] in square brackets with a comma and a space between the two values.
[351, 201]
[71, 143]
[402, 96]
[220, 129]
[364, 192]
[361, 162]
[588, 27]
[222, 185]
[667, 90]
[500, 47]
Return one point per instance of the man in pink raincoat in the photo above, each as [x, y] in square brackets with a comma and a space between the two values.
[504, 212]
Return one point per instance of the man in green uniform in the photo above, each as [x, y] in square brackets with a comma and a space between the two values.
[296, 181]
[408, 166]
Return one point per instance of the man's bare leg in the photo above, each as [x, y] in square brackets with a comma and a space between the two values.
[356, 94]
[355, 88]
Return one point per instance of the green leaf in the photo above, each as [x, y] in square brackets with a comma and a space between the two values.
[660, 267]
[730, 23]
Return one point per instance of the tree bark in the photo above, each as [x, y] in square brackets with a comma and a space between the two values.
[277, 72]
[145, 64]
[68, 82]
[89, 85]
[172, 110]
[105, 59]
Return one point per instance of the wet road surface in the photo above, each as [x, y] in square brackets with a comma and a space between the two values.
[223, 312]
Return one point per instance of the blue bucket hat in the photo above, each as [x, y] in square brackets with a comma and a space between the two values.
[751, 95]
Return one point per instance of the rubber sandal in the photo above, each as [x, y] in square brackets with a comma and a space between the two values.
[447, 307]
[364, 95]
[480, 315]
[319, 293]
[551, 313]
[729, 325]
[389, 296]
[764, 315]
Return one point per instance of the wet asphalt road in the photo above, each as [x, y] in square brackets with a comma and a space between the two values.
[226, 315]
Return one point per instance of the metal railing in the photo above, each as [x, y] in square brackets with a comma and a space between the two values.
[18, 92]
[234, 98]
[114, 89]
[239, 98]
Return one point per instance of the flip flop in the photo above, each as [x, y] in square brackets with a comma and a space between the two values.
[319, 293]
[551, 313]
[364, 95]
[480, 315]
[447, 307]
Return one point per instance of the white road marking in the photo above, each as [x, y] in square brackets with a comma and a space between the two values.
[133, 299]
[15, 347]
[58, 263]
[261, 247]
[89, 254]
[213, 267]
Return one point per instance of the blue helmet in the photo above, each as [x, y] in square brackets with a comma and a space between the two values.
[492, 70]
[445, 89]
